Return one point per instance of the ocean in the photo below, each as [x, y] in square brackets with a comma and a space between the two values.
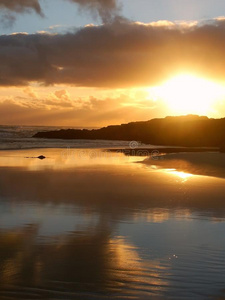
[21, 137]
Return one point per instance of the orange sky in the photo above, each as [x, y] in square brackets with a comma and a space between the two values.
[113, 73]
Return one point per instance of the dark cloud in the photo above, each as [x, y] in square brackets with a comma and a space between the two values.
[119, 54]
[10, 8]
[7, 19]
[105, 9]
[21, 6]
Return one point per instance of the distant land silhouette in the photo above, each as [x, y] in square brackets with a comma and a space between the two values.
[187, 131]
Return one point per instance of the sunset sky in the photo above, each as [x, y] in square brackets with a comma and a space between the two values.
[100, 62]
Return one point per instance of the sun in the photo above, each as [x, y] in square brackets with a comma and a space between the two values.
[189, 94]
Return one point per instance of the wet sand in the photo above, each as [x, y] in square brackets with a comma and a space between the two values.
[205, 163]
[89, 224]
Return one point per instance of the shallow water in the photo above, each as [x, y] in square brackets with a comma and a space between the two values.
[87, 224]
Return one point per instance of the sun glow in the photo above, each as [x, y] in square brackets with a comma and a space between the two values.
[187, 94]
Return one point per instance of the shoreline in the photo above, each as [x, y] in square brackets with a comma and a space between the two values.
[196, 161]
[128, 151]
[161, 150]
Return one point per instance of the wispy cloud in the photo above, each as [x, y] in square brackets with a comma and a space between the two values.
[21, 6]
[105, 9]
[10, 8]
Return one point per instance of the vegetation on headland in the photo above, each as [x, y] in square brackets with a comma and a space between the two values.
[187, 131]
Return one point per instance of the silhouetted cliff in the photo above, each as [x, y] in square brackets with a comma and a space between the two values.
[174, 131]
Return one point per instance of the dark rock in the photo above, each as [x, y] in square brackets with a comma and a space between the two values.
[41, 157]
[185, 131]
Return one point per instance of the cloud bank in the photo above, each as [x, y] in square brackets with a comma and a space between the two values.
[117, 54]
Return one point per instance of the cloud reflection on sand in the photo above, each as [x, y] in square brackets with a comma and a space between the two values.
[112, 184]
[74, 265]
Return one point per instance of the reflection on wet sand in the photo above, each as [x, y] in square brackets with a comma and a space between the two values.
[207, 163]
[74, 265]
[108, 228]
[120, 191]
[58, 159]
[182, 175]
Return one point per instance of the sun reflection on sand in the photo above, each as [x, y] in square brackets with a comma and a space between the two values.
[182, 175]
